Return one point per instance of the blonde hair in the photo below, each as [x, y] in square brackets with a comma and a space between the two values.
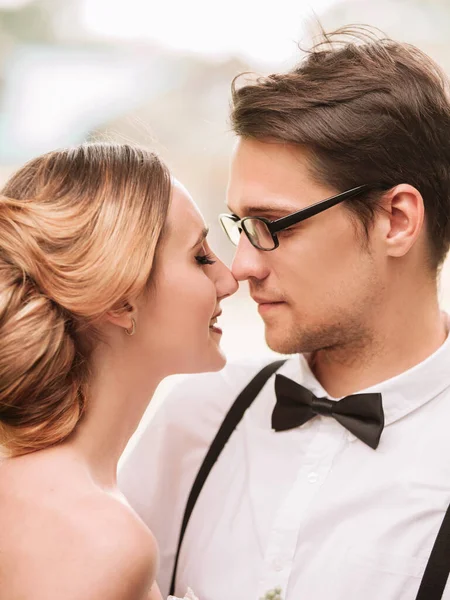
[79, 228]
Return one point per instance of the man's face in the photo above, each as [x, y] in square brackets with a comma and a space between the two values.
[322, 286]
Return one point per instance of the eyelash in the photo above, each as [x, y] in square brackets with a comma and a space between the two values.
[205, 259]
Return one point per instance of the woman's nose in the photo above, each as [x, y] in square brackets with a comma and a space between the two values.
[226, 283]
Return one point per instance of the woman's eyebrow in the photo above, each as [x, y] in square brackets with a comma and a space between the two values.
[203, 234]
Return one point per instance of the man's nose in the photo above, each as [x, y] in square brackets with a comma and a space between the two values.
[248, 261]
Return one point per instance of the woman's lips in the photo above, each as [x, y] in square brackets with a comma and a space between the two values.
[215, 329]
[213, 324]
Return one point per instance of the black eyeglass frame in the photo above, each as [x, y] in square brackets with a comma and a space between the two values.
[297, 217]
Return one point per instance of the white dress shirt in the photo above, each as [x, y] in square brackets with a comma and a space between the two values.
[313, 510]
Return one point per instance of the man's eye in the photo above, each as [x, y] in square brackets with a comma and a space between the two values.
[291, 229]
[205, 259]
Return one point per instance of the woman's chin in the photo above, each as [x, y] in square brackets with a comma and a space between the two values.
[215, 361]
[212, 359]
[220, 362]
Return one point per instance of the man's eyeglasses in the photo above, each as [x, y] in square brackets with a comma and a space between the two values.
[262, 233]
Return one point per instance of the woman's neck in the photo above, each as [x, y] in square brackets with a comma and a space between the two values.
[118, 398]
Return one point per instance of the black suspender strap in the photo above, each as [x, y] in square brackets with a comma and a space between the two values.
[232, 419]
[436, 572]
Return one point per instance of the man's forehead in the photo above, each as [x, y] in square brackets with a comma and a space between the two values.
[273, 188]
[266, 175]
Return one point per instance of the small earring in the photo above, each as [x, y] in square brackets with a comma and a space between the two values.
[131, 331]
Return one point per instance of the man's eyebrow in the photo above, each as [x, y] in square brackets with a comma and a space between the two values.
[204, 232]
[269, 209]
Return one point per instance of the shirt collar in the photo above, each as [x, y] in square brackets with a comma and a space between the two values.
[401, 394]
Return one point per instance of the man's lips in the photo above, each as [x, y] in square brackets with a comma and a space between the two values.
[260, 300]
[267, 304]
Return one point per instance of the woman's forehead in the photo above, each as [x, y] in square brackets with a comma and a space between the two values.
[184, 219]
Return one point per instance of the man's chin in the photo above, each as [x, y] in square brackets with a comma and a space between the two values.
[280, 344]
[278, 329]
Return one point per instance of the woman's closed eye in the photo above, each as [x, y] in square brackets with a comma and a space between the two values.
[205, 259]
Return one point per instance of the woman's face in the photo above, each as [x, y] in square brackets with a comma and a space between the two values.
[177, 318]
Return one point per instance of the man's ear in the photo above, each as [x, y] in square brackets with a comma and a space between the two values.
[122, 316]
[405, 213]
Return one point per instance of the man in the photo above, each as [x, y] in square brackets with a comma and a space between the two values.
[309, 499]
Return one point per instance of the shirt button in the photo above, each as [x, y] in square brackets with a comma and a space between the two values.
[313, 477]
[277, 565]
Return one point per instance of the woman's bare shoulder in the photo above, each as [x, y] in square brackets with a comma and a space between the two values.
[83, 545]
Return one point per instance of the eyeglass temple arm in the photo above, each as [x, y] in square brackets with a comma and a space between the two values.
[315, 209]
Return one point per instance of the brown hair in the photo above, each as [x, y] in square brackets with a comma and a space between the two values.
[78, 234]
[368, 111]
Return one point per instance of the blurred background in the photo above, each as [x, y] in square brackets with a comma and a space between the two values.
[159, 73]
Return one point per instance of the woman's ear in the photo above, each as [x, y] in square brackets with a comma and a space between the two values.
[122, 316]
[405, 211]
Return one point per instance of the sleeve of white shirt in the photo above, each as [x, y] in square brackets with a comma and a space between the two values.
[157, 475]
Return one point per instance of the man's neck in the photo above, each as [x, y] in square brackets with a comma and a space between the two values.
[395, 346]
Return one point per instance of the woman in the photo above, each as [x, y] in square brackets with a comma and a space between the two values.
[107, 285]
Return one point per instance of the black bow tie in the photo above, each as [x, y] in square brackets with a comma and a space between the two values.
[361, 414]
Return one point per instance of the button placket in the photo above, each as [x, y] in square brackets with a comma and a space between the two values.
[284, 535]
[313, 477]
[277, 565]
